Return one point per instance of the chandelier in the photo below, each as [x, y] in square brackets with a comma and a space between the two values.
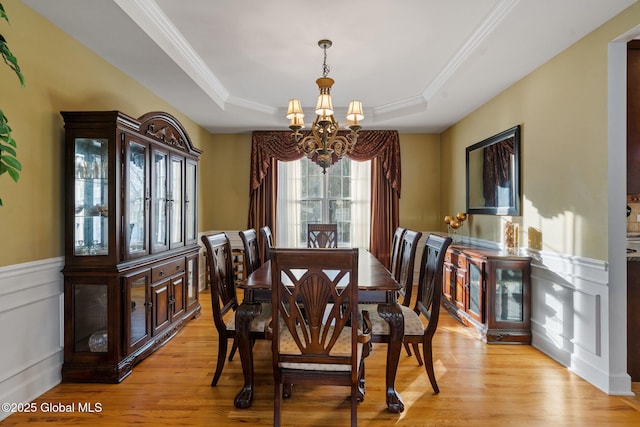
[324, 141]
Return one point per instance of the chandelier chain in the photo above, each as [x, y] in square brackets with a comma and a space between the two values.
[325, 67]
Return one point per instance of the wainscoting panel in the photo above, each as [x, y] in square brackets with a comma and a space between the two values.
[570, 312]
[31, 307]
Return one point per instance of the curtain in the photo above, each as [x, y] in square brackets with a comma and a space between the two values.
[383, 147]
[360, 231]
[496, 173]
[288, 220]
[288, 226]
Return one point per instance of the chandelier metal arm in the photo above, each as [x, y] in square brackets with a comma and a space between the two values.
[324, 141]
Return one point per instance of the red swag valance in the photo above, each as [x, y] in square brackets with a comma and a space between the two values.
[381, 144]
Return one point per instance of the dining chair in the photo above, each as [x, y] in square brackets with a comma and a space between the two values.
[316, 338]
[251, 250]
[322, 235]
[407, 248]
[224, 300]
[406, 262]
[427, 304]
[267, 240]
[395, 251]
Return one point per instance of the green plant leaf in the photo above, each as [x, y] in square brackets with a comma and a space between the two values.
[13, 174]
[11, 162]
[8, 149]
[8, 162]
[11, 60]
[4, 16]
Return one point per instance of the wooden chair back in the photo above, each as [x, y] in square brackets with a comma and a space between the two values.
[221, 277]
[267, 240]
[251, 250]
[395, 251]
[428, 302]
[430, 280]
[315, 302]
[408, 247]
[224, 299]
[322, 235]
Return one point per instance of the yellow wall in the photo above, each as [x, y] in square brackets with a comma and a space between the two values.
[61, 74]
[224, 173]
[420, 196]
[562, 107]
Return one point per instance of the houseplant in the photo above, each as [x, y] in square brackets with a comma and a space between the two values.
[8, 161]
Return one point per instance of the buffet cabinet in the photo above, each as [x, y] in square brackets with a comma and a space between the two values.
[490, 291]
[131, 249]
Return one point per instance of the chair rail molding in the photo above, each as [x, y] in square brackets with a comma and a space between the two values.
[31, 307]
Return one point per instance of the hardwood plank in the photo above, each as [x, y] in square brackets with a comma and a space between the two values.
[480, 385]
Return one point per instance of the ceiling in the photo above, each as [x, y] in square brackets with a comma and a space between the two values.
[416, 65]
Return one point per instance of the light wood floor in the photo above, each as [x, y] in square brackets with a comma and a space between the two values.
[480, 385]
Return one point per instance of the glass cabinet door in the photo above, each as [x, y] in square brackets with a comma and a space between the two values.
[192, 281]
[138, 309]
[91, 224]
[159, 178]
[509, 295]
[191, 228]
[138, 197]
[475, 304]
[90, 314]
[177, 202]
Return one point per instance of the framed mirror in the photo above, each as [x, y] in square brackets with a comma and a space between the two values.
[493, 174]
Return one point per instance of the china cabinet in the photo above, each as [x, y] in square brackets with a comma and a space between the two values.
[489, 290]
[131, 250]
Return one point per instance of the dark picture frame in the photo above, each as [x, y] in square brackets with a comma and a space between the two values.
[493, 174]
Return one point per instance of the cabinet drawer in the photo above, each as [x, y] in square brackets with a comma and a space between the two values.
[461, 262]
[167, 269]
[448, 256]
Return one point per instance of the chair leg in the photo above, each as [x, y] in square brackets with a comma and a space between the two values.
[406, 347]
[222, 354]
[234, 347]
[354, 405]
[416, 350]
[361, 382]
[428, 364]
[277, 400]
[287, 390]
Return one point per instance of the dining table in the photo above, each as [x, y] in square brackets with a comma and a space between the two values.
[376, 285]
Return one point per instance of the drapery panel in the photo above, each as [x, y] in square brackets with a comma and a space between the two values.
[380, 146]
[496, 171]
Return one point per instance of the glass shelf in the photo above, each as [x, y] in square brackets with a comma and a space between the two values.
[91, 173]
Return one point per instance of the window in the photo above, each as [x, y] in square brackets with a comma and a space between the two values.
[341, 196]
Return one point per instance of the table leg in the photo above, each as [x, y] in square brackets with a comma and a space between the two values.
[244, 315]
[392, 314]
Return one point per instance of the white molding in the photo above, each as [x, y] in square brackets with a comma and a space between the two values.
[571, 314]
[31, 303]
[150, 18]
[488, 26]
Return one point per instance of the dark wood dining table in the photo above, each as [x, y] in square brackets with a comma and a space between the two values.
[376, 286]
